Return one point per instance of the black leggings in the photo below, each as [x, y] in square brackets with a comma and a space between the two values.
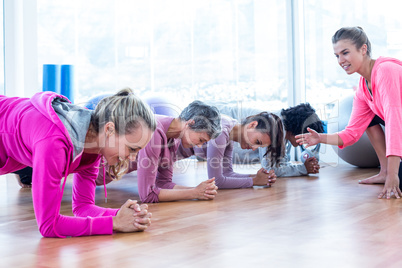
[378, 121]
[25, 175]
[400, 176]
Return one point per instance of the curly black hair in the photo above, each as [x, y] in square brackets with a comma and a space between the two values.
[297, 119]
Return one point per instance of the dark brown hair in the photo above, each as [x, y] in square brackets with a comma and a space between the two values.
[272, 125]
[355, 34]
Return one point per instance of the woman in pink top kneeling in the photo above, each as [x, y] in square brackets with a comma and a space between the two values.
[378, 98]
[57, 138]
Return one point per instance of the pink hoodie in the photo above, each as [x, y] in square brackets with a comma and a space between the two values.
[32, 134]
[386, 102]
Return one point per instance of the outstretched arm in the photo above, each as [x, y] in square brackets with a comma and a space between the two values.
[313, 138]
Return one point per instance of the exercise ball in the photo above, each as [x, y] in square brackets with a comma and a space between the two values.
[361, 153]
[92, 102]
[163, 105]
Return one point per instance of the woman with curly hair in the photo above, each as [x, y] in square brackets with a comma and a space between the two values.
[295, 120]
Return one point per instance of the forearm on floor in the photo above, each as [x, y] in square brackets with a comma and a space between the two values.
[175, 194]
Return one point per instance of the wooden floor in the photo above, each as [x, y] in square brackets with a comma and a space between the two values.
[318, 221]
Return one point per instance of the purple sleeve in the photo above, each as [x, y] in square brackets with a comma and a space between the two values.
[49, 165]
[165, 168]
[219, 161]
[147, 167]
[165, 174]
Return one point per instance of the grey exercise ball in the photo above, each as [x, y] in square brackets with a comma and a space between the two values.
[359, 154]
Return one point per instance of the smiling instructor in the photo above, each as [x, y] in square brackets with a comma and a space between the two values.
[378, 100]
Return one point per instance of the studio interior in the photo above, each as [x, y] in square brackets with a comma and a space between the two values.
[187, 133]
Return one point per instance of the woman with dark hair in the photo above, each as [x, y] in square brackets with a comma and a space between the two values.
[295, 120]
[263, 130]
[57, 138]
[378, 99]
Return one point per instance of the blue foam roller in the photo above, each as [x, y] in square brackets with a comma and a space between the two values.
[51, 78]
[67, 82]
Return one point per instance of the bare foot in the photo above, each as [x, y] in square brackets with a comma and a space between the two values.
[22, 184]
[376, 179]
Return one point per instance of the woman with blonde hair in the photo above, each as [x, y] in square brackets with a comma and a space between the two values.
[57, 138]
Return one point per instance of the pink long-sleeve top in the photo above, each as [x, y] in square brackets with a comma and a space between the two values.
[219, 154]
[155, 162]
[32, 134]
[386, 102]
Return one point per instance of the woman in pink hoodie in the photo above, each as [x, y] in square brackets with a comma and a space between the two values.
[56, 138]
[377, 100]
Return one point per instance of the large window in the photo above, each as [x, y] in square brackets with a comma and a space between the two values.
[326, 82]
[211, 49]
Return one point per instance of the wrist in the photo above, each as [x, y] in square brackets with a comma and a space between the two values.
[254, 180]
[392, 174]
[193, 193]
[114, 223]
[303, 168]
[320, 138]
